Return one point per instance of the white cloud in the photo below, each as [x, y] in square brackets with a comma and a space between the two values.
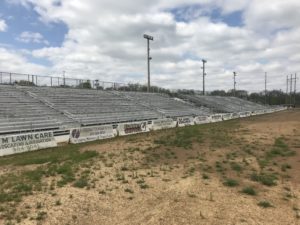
[32, 37]
[104, 41]
[13, 61]
[3, 26]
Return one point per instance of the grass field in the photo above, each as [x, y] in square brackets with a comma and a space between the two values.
[243, 171]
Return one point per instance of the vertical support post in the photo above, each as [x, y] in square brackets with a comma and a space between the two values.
[287, 90]
[148, 63]
[64, 78]
[295, 89]
[291, 89]
[203, 76]
[265, 88]
[148, 37]
[9, 78]
[234, 83]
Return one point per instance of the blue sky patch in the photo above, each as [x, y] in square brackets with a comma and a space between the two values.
[20, 19]
[192, 12]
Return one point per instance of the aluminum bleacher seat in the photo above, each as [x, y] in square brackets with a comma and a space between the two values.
[224, 104]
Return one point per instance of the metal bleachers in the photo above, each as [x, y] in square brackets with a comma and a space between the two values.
[28, 109]
[169, 107]
[224, 104]
[19, 112]
[92, 107]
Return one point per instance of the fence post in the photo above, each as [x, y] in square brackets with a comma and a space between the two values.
[36, 80]
[9, 78]
[51, 81]
[1, 77]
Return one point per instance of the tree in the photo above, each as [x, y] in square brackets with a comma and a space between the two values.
[85, 85]
[24, 83]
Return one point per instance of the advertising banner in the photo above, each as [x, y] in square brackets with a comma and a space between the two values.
[85, 134]
[163, 124]
[12, 144]
[216, 118]
[185, 121]
[133, 128]
[227, 116]
[245, 114]
[235, 115]
[202, 119]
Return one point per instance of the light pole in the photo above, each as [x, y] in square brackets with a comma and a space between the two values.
[265, 88]
[203, 74]
[234, 83]
[149, 38]
[64, 73]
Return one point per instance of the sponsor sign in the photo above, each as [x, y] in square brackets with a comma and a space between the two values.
[85, 134]
[12, 144]
[258, 112]
[133, 128]
[245, 114]
[185, 121]
[227, 116]
[202, 119]
[163, 124]
[216, 118]
[235, 115]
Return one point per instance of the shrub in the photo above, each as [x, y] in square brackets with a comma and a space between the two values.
[264, 204]
[249, 191]
[231, 183]
[81, 183]
[265, 179]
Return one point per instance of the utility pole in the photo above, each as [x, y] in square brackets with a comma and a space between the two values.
[287, 89]
[265, 88]
[149, 38]
[291, 89]
[234, 83]
[64, 72]
[295, 89]
[203, 74]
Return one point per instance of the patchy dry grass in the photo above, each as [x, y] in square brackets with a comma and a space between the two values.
[161, 177]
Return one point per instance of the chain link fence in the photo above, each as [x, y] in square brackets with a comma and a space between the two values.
[52, 81]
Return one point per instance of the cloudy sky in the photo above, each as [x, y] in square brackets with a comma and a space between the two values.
[103, 39]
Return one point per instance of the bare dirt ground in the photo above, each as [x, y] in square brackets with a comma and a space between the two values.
[243, 171]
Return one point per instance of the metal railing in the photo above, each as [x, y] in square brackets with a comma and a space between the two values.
[52, 81]
[66, 82]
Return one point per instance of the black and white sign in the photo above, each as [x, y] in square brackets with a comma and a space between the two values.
[12, 144]
[227, 116]
[202, 119]
[163, 124]
[185, 121]
[85, 134]
[216, 118]
[133, 128]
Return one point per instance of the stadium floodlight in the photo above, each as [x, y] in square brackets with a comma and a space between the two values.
[149, 38]
[204, 74]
